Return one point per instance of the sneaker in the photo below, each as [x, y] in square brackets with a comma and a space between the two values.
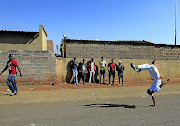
[152, 105]
[16, 93]
[135, 67]
[12, 94]
[119, 84]
[123, 84]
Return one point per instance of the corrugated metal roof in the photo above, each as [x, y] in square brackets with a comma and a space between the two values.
[115, 41]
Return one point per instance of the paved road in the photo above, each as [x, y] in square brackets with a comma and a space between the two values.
[115, 112]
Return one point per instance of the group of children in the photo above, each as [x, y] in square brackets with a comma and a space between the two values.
[90, 69]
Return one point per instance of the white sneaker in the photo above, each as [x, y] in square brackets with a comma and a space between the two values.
[12, 94]
[135, 67]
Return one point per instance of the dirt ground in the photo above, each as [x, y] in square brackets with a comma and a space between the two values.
[62, 86]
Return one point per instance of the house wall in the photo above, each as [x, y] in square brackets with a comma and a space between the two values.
[38, 44]
[43, 37]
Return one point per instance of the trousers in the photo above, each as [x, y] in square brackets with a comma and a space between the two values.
[11, 82]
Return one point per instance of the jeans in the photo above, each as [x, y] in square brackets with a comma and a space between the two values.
[102, 72]
[75, 73]
[11, 82]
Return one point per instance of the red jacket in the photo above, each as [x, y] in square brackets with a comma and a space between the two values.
[89, 67]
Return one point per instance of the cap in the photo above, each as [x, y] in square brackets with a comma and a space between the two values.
[119, 61]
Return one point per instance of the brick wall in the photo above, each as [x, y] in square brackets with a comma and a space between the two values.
[121, 50]
[38, 67]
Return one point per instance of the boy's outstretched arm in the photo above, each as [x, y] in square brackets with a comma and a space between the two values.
[4, 69]
[163, 83]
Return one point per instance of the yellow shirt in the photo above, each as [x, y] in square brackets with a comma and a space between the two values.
[102, 65]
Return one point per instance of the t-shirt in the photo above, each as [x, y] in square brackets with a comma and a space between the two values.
[83, 68]
[112, 66]
[102, 65]
[74, 65]
[120, 69]
[12, 66]
[154, 73]
[92, 66]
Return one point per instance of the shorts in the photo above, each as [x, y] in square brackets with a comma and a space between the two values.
[121, 75]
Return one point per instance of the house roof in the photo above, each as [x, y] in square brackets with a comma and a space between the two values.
[106, 41]
[132, 42]
[17, 37]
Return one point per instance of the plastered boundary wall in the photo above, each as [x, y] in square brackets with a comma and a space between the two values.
[167, 69]
[37, 67]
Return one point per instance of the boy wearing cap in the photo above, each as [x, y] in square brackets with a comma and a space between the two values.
[102, 64]
[120, 69]
[11, 81]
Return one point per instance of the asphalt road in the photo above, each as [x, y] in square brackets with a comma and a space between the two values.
[115, 112]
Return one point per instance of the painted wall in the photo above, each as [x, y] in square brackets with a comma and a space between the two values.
[167, 69]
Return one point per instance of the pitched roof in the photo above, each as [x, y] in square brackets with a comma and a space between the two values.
[17, 37]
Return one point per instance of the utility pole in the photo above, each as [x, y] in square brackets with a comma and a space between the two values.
[175, 20]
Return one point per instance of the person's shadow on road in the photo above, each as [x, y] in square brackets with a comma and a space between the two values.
[110, 105]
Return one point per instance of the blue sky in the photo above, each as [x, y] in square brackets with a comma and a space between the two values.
[94, 19]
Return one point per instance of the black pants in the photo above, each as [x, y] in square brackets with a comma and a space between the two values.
[111, 74]
[120, 75]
